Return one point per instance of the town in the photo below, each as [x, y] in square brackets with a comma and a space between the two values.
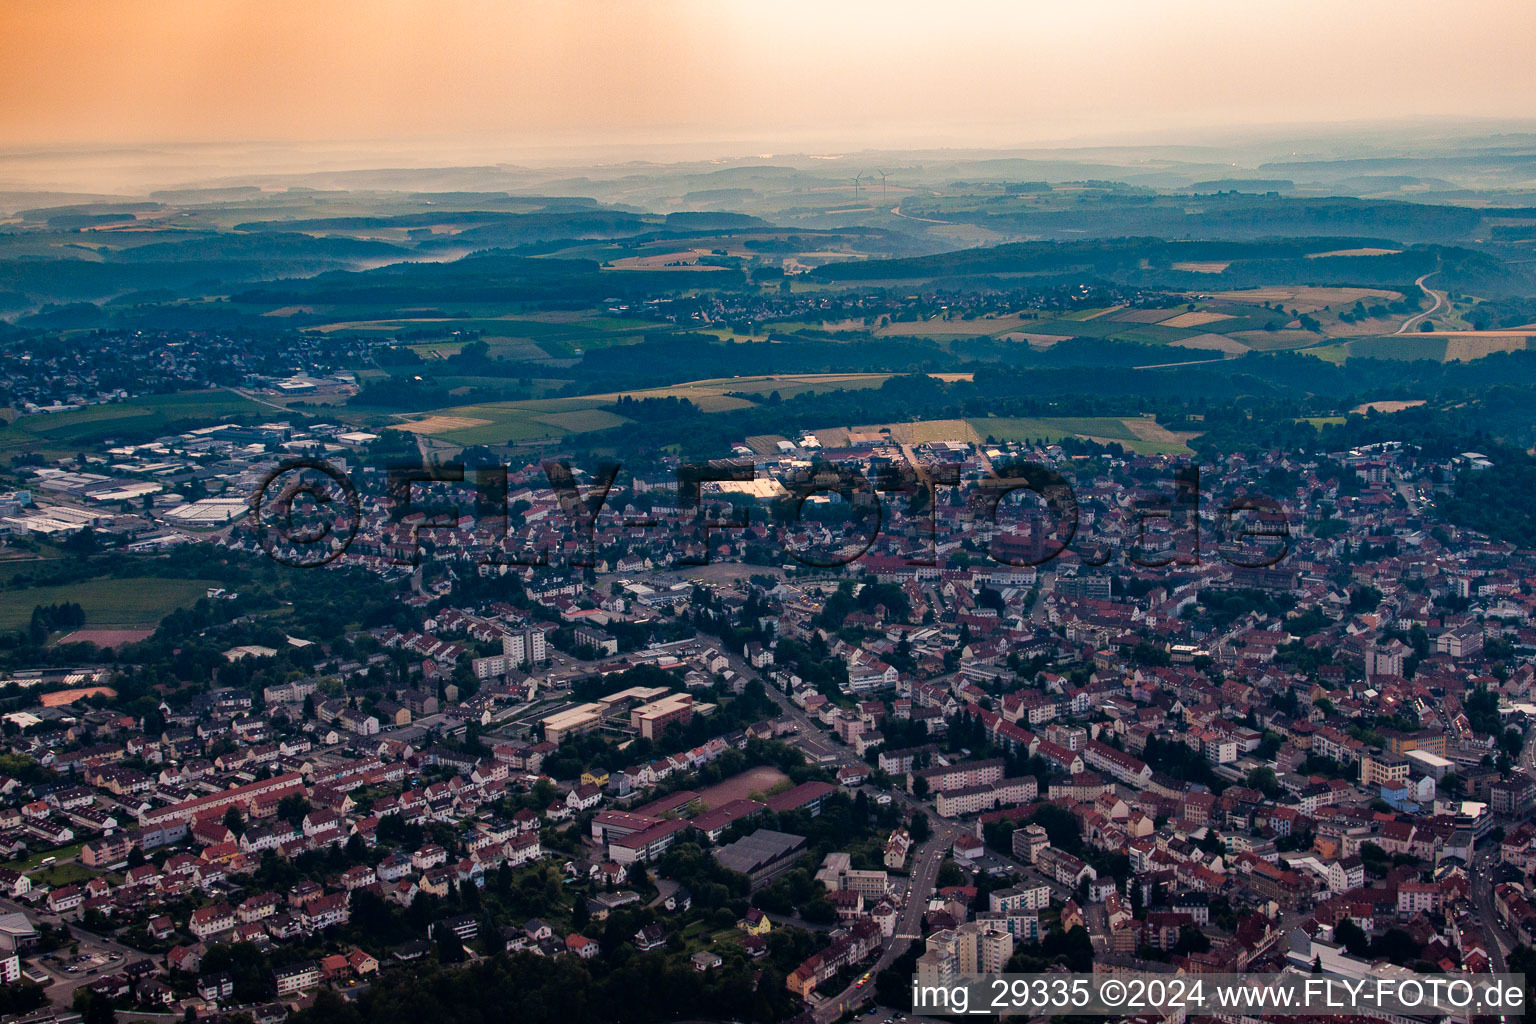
[973, 748]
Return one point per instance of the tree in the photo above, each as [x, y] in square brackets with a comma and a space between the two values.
[920, 830]
[1353, 938]
[292, 809]
[1512, 742]
[1192, 940]
[819, 911]
[93, 1008]
[1263, 779]
[235, 821]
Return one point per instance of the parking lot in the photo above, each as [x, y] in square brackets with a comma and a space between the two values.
[88, 962]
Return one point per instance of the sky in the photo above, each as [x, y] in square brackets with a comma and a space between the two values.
[517, 75]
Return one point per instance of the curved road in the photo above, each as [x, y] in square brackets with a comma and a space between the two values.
[896, 211]
[1418, 318]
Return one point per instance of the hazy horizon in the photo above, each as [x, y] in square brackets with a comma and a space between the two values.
[132, 168]
[431, 85]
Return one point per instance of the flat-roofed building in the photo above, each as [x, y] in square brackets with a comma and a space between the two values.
[647, 844]
[762, 856]
[572, 721]
[651, 720]
[1433, 765]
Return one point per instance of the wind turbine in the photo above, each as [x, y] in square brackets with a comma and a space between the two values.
[856, 178]
[882, 185]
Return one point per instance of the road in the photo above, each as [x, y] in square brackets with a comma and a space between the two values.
[62, 991]
[909, 926]
[1439, 297]
[1500, 942]
[896, 212]
[926, 860]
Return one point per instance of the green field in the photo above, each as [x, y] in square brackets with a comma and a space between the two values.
[129, 603]
[1024, 428]
[1152, 440]
[64, 433]
[1399, 346]
[536, 419]
[533, 337]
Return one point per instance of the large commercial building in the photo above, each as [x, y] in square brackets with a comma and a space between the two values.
[762, 856]
[647, 844]
[651, 720]
[572, 721]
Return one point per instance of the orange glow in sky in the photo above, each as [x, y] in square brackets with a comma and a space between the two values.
[530, 73]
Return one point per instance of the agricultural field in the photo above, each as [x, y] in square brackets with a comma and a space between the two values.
[62, 434]
[1310, 298]
[684, 260]
[1386, 406]
[1441, 346]
[511, 422]
[530, 337]
[1140, 434]
[977, 327]
[127, 603]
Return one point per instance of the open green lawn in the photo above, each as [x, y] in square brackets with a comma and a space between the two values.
[63, 433]
[30, 862]
[134, 602]
[62, 874]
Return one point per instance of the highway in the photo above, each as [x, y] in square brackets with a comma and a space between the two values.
[1417, 318]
